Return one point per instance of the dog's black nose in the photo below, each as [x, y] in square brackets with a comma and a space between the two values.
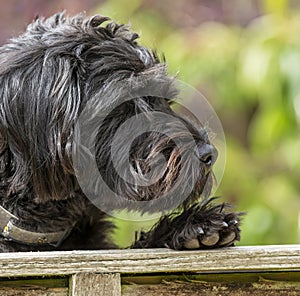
[207, 154]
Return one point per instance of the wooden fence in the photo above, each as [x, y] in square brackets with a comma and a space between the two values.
[256, 270]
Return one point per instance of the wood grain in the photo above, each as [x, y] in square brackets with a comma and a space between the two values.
[95, 284]
[34, 287]
[27, 291]
[236, 259]
[214, 289]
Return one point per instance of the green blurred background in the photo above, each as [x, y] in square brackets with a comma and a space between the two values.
[244, 56]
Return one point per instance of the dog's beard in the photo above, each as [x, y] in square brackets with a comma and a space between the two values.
[159, 175]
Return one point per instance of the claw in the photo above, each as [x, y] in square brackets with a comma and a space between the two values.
[224, 224]
[234, 222]
[200, 230]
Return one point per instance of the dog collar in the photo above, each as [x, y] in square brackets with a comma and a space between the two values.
[17, 234]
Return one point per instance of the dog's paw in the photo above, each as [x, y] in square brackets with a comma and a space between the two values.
[206, 226]
[200, 226]
[220, 233]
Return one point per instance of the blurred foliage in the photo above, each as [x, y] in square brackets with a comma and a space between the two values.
[251, 75]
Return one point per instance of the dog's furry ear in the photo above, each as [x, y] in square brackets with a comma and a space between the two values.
[41, 83]
[59, 101]
[46, 76]
[40, 101]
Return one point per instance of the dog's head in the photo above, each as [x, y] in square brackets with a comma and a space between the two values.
[73, 91]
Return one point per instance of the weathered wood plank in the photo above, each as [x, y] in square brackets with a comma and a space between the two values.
[95, 284]
[31, 291]
[256, 258]
[233, 284]
[34, 287]
[239, 277]
[214, 289]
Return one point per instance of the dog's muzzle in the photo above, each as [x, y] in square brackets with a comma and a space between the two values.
[14, 233]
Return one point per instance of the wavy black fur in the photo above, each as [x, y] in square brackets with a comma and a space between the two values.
[199, 221]
[48, 75]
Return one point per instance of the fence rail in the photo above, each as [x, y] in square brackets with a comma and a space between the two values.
[254, 270]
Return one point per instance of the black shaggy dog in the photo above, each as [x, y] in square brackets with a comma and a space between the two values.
[67, 85]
